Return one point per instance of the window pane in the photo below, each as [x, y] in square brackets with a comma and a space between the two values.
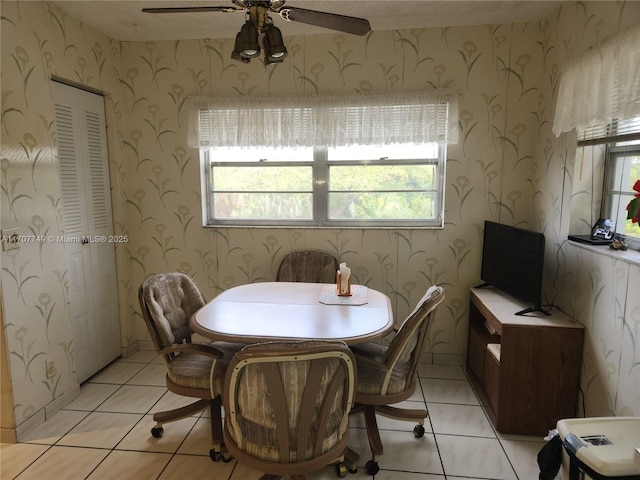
[382, 206]
[261, 192]
[624, 171]
[382, 177]
[261, 179]
[261, 154]
[632, 175]
[374, 152]
[262, 206]
[303, 187]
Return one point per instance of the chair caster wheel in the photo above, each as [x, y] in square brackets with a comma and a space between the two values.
[341, 470]
[227, 458]
[156, 432]
[372, 467]
[215, 456]
[418, 431]
[353, 469]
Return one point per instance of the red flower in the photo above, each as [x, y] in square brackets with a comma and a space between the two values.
[633, 209]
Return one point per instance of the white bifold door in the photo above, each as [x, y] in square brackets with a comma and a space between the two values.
[88, 228]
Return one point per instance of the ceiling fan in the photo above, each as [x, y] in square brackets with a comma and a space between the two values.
[259, 28]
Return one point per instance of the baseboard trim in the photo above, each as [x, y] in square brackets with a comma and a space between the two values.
[37, 419]
[131, 349]
[8, 435]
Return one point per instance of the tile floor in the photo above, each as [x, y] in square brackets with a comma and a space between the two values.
[105, 434]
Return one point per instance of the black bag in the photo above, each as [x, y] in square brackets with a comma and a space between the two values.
[550, 459]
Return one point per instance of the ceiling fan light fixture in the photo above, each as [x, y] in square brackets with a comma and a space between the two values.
[236, 53]
[275, 51]
[248, 45]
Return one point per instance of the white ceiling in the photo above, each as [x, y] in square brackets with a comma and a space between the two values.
[124, 20]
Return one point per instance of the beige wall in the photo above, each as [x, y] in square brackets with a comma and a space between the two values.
[6, 395]
[38, 42]
[507, 167]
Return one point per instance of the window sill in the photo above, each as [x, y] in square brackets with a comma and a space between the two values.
[630, 255]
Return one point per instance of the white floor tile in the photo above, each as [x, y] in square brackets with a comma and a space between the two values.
[198, 442]
[404, 452]
[118, 372]
[135, 465]
[140, 438]
[152, 374]
[53, 429]
[453, 419]
[141, 356]
[448, 391]
[171, 401]
[15, 457]
[132, 399]
[392, 475]
[418, 395]
[470, 478]
[91, 396]
[523, 456]
[66, 463]
[474, 457]
[387, 423]
[190, 467]
[101, 430]
[451, 372]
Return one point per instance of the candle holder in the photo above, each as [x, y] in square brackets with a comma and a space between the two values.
[340, 291]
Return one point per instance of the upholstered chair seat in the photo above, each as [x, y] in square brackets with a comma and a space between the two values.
[287, 407]
[372, 371]
[168, 301]
[388, 374]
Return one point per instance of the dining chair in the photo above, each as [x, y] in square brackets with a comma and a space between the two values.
[287, 407]
[308, 266]
[387, 374]
[167, 301]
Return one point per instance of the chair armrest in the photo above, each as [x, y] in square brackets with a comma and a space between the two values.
[199, 348]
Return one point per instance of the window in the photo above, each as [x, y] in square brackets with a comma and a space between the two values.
[598, 95]
[622, 171]
[351, 186]
[374, 160]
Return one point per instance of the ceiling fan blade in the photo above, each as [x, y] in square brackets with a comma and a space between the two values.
[333, 21]
[190, 9]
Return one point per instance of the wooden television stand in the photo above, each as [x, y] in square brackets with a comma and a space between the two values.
[525, 368]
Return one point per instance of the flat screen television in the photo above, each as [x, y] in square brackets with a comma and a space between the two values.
[512, 261]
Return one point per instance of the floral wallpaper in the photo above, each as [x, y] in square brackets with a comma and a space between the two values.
[507, 167]
[39, 42]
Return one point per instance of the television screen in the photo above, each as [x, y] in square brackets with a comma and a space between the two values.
[512, 261]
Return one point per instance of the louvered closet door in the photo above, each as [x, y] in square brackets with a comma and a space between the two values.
[84, 178]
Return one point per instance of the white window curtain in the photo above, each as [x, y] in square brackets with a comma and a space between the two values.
[333, 121]
[601, 86]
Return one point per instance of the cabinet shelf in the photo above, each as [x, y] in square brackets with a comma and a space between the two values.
[533, 381]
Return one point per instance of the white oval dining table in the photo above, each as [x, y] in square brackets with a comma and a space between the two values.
[267, 311]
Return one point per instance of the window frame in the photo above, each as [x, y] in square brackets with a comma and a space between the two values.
[320, 193]
[611, 206]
